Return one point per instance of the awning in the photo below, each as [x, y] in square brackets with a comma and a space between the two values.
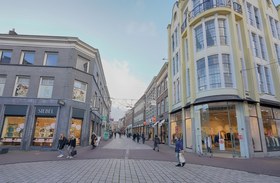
[154, 125]
[161, 123]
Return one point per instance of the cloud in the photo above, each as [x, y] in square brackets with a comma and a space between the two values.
[125, 89]
[141, 28]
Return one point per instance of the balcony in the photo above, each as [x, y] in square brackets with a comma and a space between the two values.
[211, 4]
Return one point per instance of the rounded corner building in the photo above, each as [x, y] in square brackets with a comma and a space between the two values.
[50, 85]
[224, 77]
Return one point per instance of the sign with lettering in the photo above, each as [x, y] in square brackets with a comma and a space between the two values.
[46, 111]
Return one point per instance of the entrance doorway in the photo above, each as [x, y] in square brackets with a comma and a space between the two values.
[219, 130]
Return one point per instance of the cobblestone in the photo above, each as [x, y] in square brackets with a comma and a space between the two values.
[122, 170]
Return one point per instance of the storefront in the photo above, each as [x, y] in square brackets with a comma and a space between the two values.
[45, 126]
[163, 131]
[271, 125]
[189, 133]
[175, 126]
[219, 129]
[76, 124]
[13, 125]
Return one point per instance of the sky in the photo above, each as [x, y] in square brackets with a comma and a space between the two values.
[131, 36]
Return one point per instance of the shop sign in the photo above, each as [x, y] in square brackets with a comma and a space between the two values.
[46, 111]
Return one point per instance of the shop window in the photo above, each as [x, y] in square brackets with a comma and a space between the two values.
[44, 131]
[13, 130]
[27, 58]
[46, 87]
[76, 128]
[22, 86]
[271, 128]
[79, 91]
[176, 126]
[2, 83]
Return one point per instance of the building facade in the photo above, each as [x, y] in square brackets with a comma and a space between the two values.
[139, 115]
[150, 124]
[162, 116]
[49, 85]
[224, 77]
[129, 120]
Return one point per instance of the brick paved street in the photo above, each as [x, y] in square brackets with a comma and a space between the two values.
[122, 160]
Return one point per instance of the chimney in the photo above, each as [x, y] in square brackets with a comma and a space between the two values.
[12, 32]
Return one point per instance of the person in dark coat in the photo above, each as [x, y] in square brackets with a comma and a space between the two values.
[138, 137]
[178, 149]
[71, 146]
[134, 136]
[156, 143]
[93, 140]
[61, 143]
[143, 138]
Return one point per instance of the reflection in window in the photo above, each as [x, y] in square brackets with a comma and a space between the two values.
[199, 38]
[79, 91]
[222, 31]
[22, 86]
[28, 57]
[82, 64]
[5, 56]
[210, 33]
[2, 83]
[227, 70]
[201, 74]
[51, 59]
[46, 87]
[214, 71]
[12, 132]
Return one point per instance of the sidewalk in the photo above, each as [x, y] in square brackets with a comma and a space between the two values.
[125, 148]
[267, 166]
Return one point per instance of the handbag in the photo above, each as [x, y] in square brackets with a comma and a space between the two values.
[74, 152]
[181, 158]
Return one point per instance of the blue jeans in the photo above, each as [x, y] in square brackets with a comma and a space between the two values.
[60, 151]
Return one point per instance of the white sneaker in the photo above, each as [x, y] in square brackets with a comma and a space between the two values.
[59, 156]
[70, 157]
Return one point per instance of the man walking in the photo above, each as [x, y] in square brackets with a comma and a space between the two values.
[156, 143]
[179, 151]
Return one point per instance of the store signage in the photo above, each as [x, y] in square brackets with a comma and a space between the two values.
[46, 111]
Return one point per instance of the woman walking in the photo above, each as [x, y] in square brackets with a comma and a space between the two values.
[156, 143]
[61, 143]
[71, 147]
[179, 152]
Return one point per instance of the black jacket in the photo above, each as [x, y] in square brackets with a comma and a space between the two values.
[72, 142]
[62, 142]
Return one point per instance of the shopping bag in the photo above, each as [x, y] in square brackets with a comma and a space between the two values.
[74, 152]
[181, 158]
[97, 141]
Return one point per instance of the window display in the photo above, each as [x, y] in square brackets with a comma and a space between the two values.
[76, 127]
[176, 126]
[44, 131]
[13, 130]
[271, 127]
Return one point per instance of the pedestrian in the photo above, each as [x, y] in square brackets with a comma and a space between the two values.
[134, 136]
[115, 134]
[138, 137]
[156, 143]
[93, 140]
[71, 147]
[62, 141]
[179, 151]
[143, 138]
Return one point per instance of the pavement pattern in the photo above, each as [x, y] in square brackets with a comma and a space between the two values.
[119, 160]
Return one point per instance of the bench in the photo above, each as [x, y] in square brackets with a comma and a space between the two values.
[4, 150]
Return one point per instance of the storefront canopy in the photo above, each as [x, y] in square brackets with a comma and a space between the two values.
[161, 123]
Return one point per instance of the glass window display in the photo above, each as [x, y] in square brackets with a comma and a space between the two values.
[44, 131]
[13, 130]
[76, 128]
[176, 126]
[271, 127]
